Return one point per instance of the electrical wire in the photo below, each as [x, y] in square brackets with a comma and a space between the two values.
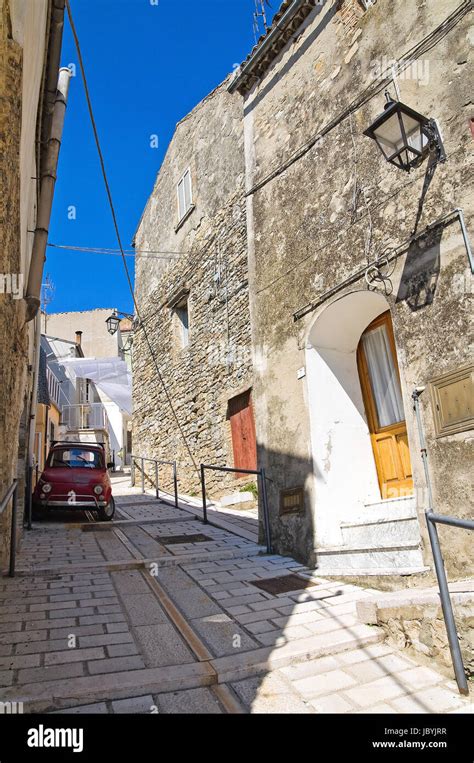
[118, 236]
[336, 240]
[127, 252]
[371, 91]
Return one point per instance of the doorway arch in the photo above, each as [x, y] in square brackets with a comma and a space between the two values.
[346, 481]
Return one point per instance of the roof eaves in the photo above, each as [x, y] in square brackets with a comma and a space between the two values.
[289, 18]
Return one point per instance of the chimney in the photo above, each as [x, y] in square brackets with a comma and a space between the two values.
[79, 338]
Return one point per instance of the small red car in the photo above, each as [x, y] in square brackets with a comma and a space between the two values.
[76, 477]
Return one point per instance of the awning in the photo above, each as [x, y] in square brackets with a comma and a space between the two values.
[110, 375]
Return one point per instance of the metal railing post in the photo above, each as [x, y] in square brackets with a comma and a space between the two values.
[143, 475]
[203, 488]
[447, 608]
[266, 516]
[156, 481]
[13, 533]
[431, 519]
[132, 471]
[175, 482]
[29, 497]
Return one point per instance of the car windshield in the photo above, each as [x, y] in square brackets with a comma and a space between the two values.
[77, 458]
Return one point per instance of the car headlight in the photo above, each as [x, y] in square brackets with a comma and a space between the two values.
[46, 488]
[98, 490]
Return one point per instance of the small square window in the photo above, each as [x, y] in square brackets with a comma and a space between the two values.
[185, 195]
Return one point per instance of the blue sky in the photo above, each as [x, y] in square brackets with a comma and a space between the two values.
[147, 66]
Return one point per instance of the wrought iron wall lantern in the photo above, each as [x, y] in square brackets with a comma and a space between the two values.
[406, 137]
[113, 321]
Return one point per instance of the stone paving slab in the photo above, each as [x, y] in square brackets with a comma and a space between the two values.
[117, 595]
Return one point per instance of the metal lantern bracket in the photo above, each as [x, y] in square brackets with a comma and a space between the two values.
[435, 144]
[406, 150]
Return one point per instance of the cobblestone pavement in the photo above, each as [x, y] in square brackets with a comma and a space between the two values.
[159, 613]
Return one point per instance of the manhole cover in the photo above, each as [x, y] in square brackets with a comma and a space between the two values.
[283, 584]
[171, 540]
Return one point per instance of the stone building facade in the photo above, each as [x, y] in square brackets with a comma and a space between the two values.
[25, 111]
[322, 206]
[360, 283]
[193, 300]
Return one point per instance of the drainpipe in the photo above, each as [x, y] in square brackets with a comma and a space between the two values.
[467, 244]
[421, 433]
[48, 181]
[32, 423]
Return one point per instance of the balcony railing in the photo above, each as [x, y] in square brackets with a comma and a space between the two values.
[86, 416]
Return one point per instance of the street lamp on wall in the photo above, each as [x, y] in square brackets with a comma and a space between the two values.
[113, 322]
[404, 136]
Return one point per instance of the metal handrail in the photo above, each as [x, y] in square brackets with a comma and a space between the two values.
[257, 472]
[157, 463]
[12, 493]
[432, 520]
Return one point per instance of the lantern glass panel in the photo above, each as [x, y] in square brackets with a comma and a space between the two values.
[415, 137]
[389, 135]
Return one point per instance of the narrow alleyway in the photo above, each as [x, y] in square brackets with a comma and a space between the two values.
[158, 613]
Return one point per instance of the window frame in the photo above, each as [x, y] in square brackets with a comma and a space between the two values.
[184, 331]
[190, 207]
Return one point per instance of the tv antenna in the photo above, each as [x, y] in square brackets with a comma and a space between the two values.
[260, 24]
[47, 292]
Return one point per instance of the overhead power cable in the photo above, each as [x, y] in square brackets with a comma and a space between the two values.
[127, 252]
[418, 50]
[119, 239]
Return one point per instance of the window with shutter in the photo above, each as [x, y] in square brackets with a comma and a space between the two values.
[185, 195]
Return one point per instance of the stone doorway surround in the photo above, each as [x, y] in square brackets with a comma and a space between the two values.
[355, 530]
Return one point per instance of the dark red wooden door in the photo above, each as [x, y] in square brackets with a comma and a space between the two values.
[244, 441]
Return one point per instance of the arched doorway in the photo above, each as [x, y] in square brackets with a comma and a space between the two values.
[363, 502]
[381, 391]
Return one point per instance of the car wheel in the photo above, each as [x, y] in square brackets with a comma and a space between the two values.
[107, 514]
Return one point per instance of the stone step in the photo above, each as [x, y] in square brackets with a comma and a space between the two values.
[37, 697]
[135, 564]
[354, 559]
[247, 664]
[46, 696]
[376, 533]
[373, 571]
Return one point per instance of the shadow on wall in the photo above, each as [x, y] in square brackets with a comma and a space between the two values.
[421, 272]
[290, 503]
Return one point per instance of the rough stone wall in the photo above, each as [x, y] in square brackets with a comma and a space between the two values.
[317, 222]
[417, 623]
[210, 261]
[13, 334]
[423, 630]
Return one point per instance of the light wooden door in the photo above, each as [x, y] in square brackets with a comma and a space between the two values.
[380, 381]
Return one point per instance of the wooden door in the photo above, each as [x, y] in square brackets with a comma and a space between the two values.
[242, 426]
[380, 381]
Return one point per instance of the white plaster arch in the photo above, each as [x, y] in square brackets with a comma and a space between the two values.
[345, 476]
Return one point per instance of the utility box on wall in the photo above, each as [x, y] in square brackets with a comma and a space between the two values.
[292, 501]
[452, 396]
